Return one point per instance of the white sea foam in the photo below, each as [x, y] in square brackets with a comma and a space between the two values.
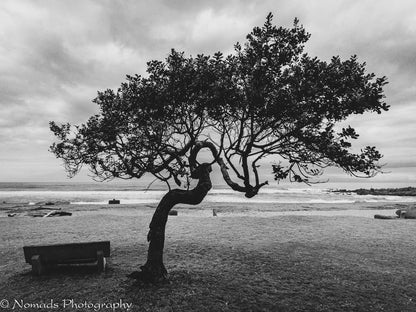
[266, 195]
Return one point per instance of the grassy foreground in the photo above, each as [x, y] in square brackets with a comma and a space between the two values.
[224, 263]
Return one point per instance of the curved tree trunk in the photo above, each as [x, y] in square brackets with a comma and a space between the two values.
[154, 270]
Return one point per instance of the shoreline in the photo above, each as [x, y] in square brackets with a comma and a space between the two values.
[362, 209]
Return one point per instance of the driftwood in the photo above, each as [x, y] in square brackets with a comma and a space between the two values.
[44, 208]
[55, 213]
[377, 216]
[41, 213]
[410, 213]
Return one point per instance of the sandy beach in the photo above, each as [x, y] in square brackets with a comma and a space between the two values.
[310, 260]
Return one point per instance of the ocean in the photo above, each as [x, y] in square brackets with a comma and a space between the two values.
[130, 193]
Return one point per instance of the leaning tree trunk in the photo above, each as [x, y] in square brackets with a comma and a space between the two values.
[154, 270]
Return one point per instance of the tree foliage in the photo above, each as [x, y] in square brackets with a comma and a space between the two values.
[268, 99]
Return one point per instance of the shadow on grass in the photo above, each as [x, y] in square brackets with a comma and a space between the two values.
[69, 270]
[285, 277]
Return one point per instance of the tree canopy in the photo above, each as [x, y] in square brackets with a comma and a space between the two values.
[267, 99]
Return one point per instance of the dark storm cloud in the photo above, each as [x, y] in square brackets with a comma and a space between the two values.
[55, 55]
[381, 34]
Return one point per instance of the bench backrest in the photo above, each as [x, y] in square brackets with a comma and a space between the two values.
[67, 252]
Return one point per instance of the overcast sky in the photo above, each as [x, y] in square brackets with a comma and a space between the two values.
[55, 55]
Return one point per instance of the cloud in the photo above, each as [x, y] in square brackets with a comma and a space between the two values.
[55, 55]
[382, 35]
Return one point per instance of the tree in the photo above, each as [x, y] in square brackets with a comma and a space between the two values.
[268, 99]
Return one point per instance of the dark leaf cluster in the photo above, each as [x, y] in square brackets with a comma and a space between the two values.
[268, 99]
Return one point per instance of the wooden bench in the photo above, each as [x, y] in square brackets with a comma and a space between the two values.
[42, 256]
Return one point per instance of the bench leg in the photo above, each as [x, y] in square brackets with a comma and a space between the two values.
[37, 267]
[101, 262]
